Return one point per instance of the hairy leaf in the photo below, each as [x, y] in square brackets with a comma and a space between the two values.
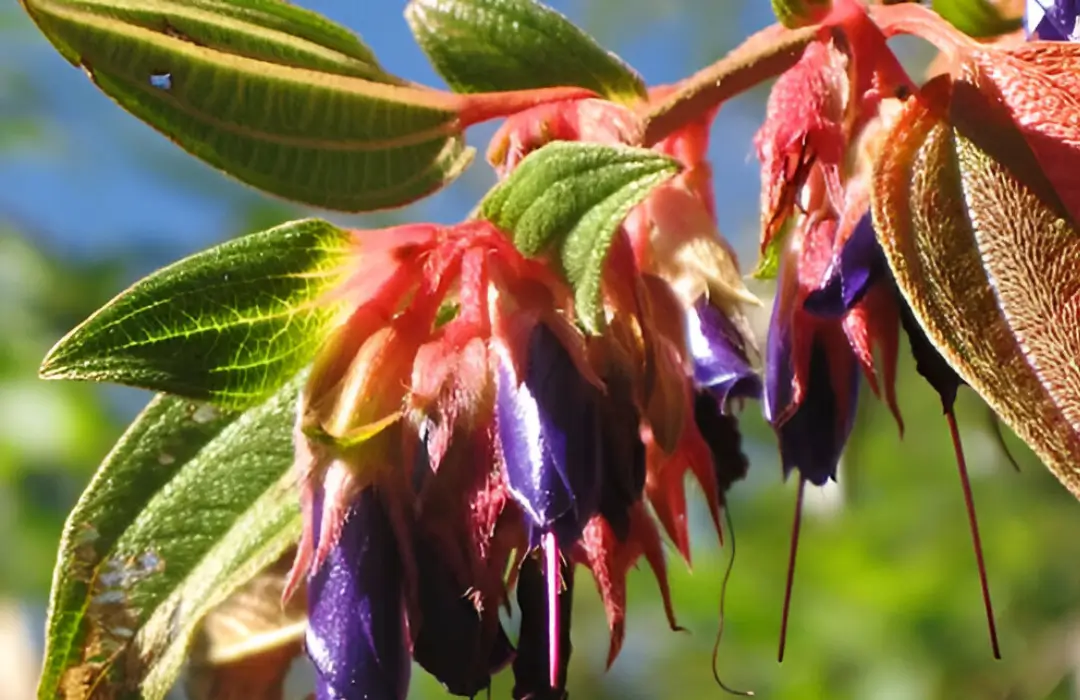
[267, 30]
[572, 197]
[275, 96]
[229, 324]
[188, 507]
[984, 252]
[977, 18]
[488, 45]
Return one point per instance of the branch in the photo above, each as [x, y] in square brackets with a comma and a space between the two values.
[764, 55]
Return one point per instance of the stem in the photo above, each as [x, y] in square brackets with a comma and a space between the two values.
[764, 55]
[485, 106]
[795, 527]
[911, 18]
[969, 503]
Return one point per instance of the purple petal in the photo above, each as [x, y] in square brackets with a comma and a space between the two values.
[814, 437]
[356, 625]
[859, 264]
[718, 353]
[721, 434]
[453, 644]
[779, 371]
[1052, 20]
[623, 472]
[549, 433]
[531, 672]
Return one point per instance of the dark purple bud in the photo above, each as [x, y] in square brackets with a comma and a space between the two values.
[719, 354]
[549, 433]
[356, 623]
[455, 644]
[1052, 20]
[623, 473]
[532, 677]
[928, 361]
[813, 438]
[859, 264]
[721, 434]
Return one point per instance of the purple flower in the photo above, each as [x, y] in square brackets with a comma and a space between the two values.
[813, 438]
[719, 355]
[810, 399]
[356, 624]
[623, 471]
[721, 434]
[858, 265]
[1052, 20]
[549, 432]
[455, 644]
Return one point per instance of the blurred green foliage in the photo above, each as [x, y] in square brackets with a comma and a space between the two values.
[886, 603]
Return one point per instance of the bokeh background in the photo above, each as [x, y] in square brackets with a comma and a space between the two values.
[886, 603]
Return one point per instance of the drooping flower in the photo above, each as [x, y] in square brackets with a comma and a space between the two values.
[356, 634]
[1052, 20]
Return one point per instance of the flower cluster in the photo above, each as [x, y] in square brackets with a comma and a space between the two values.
[461, 442]
[460, 437]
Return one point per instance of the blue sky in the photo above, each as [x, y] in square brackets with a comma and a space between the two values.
[99, 183]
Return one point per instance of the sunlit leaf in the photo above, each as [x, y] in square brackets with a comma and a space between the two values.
[189, 506]
[229, 324]
[275, 96]
[489, 45]
[572, 197]
[984, 252]
[977, 18]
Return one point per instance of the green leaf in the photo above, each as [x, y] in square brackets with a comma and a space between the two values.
[981, 19]
[489, 45]
[275, 96]
[229, 325]
[190, 505]
[573, 197]
[768, 265]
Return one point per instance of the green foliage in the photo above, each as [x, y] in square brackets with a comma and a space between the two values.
[800, 13]
[189, 506]
[230, 324]
[490, 45]
[572, 197]
[978, 18]
[321, 137]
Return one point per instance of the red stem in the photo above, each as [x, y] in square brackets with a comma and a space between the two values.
[969, 502]
[795, 527]
[484, 106]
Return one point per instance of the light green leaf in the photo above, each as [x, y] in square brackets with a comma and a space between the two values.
[275, 96]
[978, 18]
[266, 30]
[229, 325]
[572, 197]
[189, 506]
[488, 45]
[768, 265]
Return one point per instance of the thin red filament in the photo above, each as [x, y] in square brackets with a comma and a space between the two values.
[720, 631]
[969, 502]
[791, 568]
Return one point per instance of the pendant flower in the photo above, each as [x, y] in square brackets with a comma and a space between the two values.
[1052, 20]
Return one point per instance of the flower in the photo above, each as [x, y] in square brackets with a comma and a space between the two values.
[549, 437]
[356, 634]
[1052, 20]
[718, 351]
